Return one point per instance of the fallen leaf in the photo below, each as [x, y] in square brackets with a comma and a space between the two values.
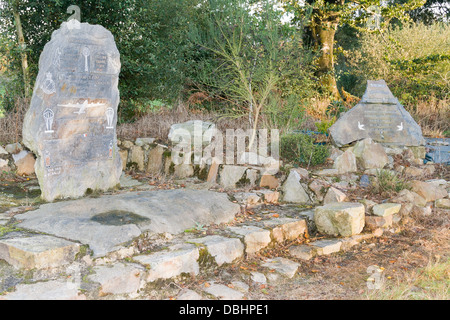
[207, 285]
[276, 215]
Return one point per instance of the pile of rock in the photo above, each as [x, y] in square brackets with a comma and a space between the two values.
[13, 157]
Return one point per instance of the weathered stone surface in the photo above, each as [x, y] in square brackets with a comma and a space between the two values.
[25, 164]
[230, 175]
[407, 196]
[334, 195]
[171, 263]
[254, 238]
[224, 250]
[106, 222]
[283, 266]
[124, 157]
[247, 198]
[13, 148]
[190, 130]
[49, 290]
[3, 151]
[286, 228]
[414, 172]
[378, 116]
[386, 209]
[222, 292]
[183, 170]
[345, 163]
[143, 141]
[269, 181]
[70, 125]
[326, 246]
[293, 191]
[341, 218]
[303, 252]
[443, 203]
[38, 252]
[370, 155]
[4, 165]
[118, 278]
[375, 222]
[429, 191]
[318, 187]
[137, 157]
[269, 196]
[258, 277]
[187, 294]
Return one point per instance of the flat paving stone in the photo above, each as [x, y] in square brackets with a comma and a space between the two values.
[108, 222]
[39, 251]
[222, 292]
[118, 278]
[171, 263]
[50, 290]
[326, 246]
[254, 238]
[223, 249]
[283, 266]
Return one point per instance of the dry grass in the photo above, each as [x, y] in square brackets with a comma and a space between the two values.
[157, 125]
[11, 124]
[433, 115]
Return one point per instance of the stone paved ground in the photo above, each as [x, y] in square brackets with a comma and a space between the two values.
[265, 251]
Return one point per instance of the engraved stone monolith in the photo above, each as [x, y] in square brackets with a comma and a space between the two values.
[379, 116]
[71, 122]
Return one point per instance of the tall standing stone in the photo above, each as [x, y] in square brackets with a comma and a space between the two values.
[379, 116]
[71, 122]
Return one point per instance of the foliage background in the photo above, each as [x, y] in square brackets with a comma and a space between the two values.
[171, 61]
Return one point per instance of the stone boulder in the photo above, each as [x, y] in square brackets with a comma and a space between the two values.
[292, 189]
[340, 218]
[191, 130]
[334, 195]
[71, 123]
[24, 162]
[429, 191]
[370, 155]
[345, 163]
[379, 116]
[230, 175]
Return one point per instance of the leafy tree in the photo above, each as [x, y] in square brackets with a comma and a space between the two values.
[251, 56]
[325, 16]
[150, 35]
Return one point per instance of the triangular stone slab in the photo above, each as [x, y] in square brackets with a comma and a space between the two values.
[378, 116]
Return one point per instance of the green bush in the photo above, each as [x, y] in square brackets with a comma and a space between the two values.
[300, 148]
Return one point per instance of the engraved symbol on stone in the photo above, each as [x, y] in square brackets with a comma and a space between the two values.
[81, 106]
[48, 86]
[86, 53]
[49, 115]
[47, 159]
[57, 58]
[360, 126]
[400, 127]
[110, 149]
[74, 20]
[109, 118]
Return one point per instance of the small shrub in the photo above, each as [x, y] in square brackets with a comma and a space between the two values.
[300, 148]
[387, 182]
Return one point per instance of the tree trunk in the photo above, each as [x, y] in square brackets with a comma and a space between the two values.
[22, 46]
[323, 28]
